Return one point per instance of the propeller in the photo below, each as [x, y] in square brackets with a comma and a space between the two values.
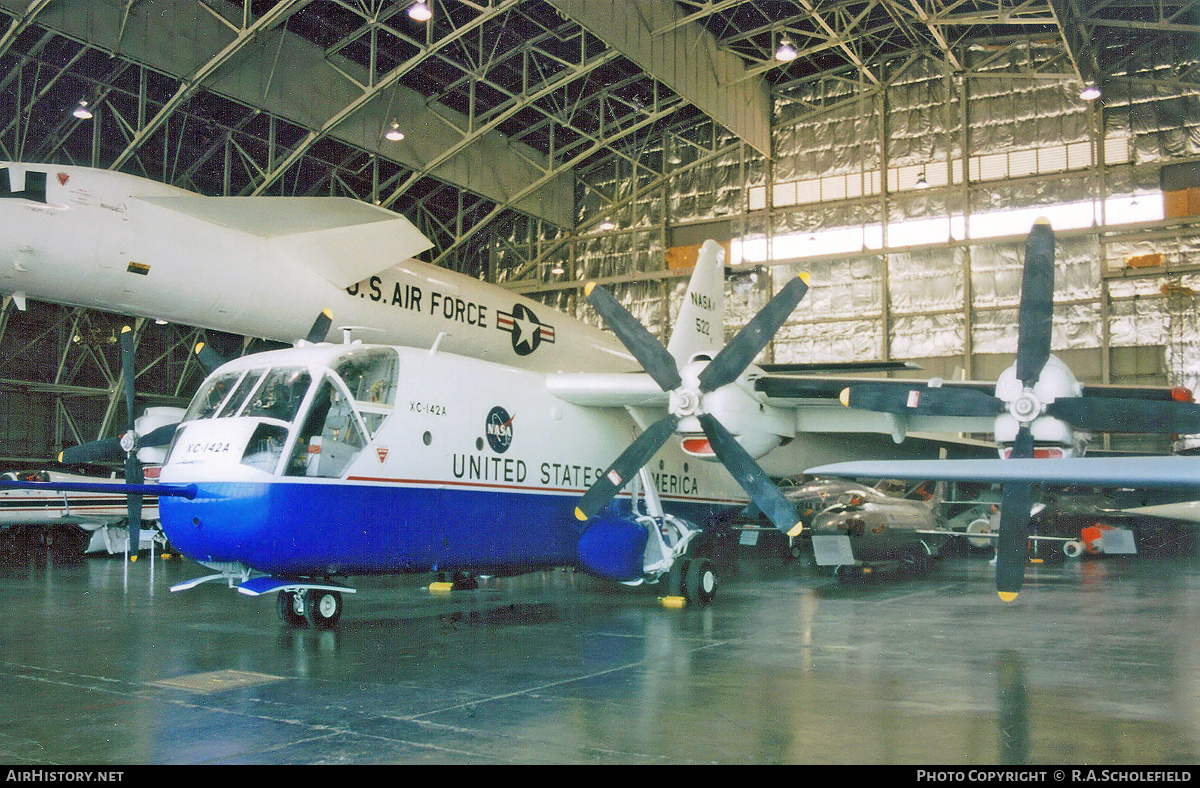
[211, 359]
[126, 446]
[1092, 413]
[687, 400]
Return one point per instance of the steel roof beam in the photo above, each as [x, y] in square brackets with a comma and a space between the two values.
[174, 37]
[687, 59]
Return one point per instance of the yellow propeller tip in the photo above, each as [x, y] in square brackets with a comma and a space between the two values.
[60, 454]
[579, 515]
[1007, 596]
[796, 530]
[125, 329]
[199, 346]
[588, 288]
[1041, 220]
[805, 277]
[844, 397]
[328, 313]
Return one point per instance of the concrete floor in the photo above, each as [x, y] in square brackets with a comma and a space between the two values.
[1097, 662]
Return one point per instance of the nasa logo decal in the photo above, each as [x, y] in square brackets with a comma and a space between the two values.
[498, 429]
[527, 331]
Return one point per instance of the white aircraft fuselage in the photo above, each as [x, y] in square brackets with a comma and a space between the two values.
[265, 267]
[394, 459]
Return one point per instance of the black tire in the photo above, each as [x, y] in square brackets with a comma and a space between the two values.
[286, 608]
[701, 582]
[465, 581]
[322, 609]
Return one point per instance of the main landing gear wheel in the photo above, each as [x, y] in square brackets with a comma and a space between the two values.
[322, 609]
[700, 584]
[290, 607]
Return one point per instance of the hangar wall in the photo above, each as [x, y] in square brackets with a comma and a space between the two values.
[939, 280]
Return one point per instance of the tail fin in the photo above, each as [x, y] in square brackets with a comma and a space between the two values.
[700, 326]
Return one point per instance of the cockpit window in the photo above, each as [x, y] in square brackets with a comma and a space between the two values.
[371, 375]
[330, 437]
[239, 394]
[280, 394]
[209, 398]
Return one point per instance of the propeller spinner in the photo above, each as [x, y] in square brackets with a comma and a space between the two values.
[687, 392]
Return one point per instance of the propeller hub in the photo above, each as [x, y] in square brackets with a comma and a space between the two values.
[1026, 407]
[685, 402]
[128, 441]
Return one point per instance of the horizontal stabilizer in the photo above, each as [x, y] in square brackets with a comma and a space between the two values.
[342, 239]
[1135, 472]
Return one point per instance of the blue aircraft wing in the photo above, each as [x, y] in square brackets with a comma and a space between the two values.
[162, 490]
[1140, 472]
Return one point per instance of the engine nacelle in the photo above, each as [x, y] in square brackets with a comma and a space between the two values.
[1055, 380]
[614, 548]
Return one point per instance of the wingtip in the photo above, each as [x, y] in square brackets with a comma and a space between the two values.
[1007, 596]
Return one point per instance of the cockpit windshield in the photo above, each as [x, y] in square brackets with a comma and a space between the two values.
[280, 394]
[348, 405]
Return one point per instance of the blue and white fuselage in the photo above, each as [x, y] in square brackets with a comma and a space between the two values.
[354, 459]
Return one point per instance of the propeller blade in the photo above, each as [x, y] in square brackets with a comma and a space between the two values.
[653, 357]
[208, 358]
[1110, 414]
[753, 337]
[133, 475]
[906, 400]
[1035, 317]
[1013, 539]
[128, 372]
[751, 477]
[107, 450]
[1012, 543]
[158, 437]
[625, 467]
[320, 327]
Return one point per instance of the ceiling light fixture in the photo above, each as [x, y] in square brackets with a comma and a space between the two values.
[786, 52]
[81, 110]
[557, 269]
[1090, 92]
[394, 133]
[921, 182]
[420, 12]
[608, 224]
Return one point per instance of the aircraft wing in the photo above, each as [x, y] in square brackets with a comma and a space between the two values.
[342, 239]
[161, 490]
[1139, 472]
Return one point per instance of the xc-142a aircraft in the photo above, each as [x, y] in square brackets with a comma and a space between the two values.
[296, 466]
